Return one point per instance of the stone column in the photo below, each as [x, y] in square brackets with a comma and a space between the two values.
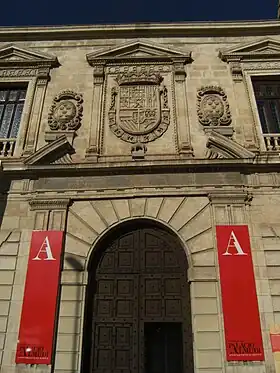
[36, 111]
[92, 151]
[184, 137]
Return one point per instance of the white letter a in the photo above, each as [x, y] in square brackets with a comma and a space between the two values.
[233, 242]
[45, 248]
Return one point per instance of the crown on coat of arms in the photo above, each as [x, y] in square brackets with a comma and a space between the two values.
[141, 77]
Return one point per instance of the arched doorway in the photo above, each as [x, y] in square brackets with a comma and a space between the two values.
[138, 314]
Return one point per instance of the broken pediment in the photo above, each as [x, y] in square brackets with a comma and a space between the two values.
[138, 50]
[58, 151]
[262, 49]
[11, 54]
[219, 146]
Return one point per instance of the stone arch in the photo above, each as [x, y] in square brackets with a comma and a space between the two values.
[188, 217]
[148, 220]
[157, 246]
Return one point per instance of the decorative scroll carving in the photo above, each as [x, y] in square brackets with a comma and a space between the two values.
[236, 71]
[66, 111]
[213, 107]
[139, 111]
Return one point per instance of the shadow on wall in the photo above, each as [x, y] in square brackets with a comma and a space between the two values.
[4, 189]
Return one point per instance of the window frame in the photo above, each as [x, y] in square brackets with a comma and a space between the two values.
[8, 89]
[33, 69]
[248, 77]
[30, 90]
[247, 60]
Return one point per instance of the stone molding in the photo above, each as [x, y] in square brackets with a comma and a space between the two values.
[138, 51]
[53, 152]
[49, 204]
[168, 29]
[220, 146]
[262, 54]
[25, 62]
[232, 197]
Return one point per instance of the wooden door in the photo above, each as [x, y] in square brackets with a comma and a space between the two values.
[141, 283]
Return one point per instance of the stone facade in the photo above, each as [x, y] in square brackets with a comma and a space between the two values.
[184, 165]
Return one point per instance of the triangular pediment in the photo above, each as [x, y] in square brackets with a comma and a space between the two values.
[138, 50]
[264, 48]
[56, 152]
[219, 146]
[13, 54]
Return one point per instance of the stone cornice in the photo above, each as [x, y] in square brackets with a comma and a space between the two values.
[263, 27]
[261, 163]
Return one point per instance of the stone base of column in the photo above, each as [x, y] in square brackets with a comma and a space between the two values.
[186, 150]
[92, 154]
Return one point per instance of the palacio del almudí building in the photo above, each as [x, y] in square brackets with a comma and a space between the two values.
[139, 198]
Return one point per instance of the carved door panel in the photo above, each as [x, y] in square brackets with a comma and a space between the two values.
[140, 280]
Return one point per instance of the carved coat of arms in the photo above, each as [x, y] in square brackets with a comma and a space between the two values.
[139, 108]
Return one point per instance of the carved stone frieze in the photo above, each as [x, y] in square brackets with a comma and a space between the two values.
[230, 197]
[66, 111]
[17, 72]
[261, 65]
[139, 111]
[49, 204]
[151, 68]
[213, 107]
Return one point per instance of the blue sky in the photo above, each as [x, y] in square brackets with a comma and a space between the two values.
[63, 12]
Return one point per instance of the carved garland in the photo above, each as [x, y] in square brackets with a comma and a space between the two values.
[66, 111]
[139, 111]
[212, 107]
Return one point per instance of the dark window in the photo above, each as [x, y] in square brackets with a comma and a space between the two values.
[267, 94]
[11, 107]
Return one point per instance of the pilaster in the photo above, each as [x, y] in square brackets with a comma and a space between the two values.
[98, 83]
[36, 111]
[185, 147]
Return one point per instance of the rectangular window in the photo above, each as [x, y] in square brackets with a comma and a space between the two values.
[11, 107]
[267, 94]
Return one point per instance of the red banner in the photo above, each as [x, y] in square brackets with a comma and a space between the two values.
[239, 298]
[40, 298]
[275, 342]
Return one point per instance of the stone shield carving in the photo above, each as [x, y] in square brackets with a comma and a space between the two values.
[212, 107]
[139, 110]
[66, 111]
